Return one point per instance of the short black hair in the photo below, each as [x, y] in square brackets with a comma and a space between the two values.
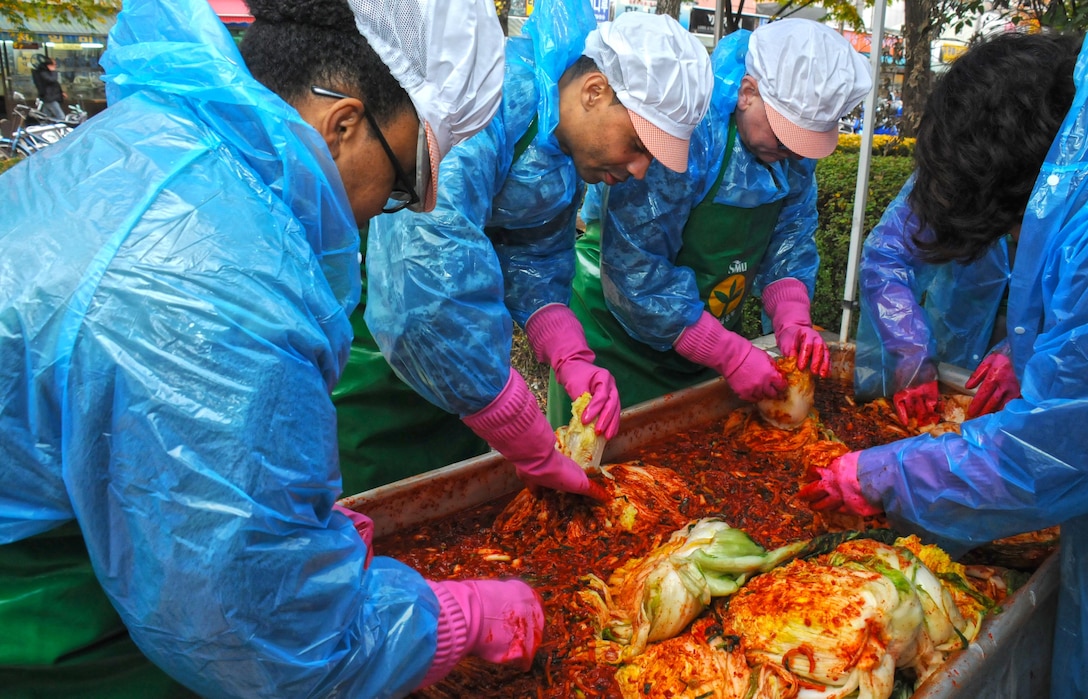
[585, 65]
[582, 65]
[985, 131]
[294, 44]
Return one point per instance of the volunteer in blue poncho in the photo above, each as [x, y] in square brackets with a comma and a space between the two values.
[984, 169]
[170, 334]
[444, 289]
[666, 263]
[916, 314]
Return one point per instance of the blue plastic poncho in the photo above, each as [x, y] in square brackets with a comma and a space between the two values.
[176, 281]
[902, 338]
[1024, 467]
[444, 288]
[652, 297]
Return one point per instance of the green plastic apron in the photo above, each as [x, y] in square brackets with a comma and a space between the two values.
[722, 244]
[59, 636]
[387, 431]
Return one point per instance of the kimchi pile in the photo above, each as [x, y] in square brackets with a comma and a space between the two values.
[741, 471]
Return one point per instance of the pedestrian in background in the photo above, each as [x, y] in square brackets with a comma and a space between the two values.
[47, 83]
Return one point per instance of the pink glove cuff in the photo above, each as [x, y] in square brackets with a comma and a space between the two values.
[515, 427]
[853, 500]
[786, 291]
[708, 343]
[556, 336]
[453, 636]
[787, 304]
[505, 422]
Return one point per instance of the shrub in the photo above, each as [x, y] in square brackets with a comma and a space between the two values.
[882, 145]
[836, 180]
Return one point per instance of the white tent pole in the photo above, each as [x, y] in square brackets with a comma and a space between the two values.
[865, 155]
[719, 20]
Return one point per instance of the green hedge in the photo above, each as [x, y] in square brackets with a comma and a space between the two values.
[836, 180]
[8, 163]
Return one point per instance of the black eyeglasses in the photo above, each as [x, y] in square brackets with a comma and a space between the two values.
[403, 195]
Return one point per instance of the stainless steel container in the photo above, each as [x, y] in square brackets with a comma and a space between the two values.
[1010, 658]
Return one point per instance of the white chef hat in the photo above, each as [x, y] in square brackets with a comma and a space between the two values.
[809, 76]
[661, 73]
[448, 55]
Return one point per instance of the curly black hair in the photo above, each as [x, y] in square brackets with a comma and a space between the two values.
[986, 128]
[294, 44]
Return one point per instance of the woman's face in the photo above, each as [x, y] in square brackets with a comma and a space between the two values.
[367, 171]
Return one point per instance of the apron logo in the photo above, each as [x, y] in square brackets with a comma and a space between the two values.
[726, 297]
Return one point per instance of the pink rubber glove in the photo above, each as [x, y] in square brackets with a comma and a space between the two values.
[837, 488]
[750, 372]
[996, 382]
[501, 621]
[557, 337]
[787, 305]
[364, 525]
[515, 427]
[918, 402]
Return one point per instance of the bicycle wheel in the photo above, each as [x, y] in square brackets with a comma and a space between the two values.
[11, 149]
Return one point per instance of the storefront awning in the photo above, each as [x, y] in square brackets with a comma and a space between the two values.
[38, 30]
[231, 11]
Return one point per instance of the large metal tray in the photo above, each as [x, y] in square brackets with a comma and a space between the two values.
[1010, 658]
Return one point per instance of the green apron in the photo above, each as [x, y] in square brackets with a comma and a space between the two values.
[60, 636]
[387, 431]
[722, 244]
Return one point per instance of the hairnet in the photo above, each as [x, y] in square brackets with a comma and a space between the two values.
[661, 73]
[448, 55]
[808, 76]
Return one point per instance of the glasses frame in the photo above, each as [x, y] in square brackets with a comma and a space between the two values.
[404, 194]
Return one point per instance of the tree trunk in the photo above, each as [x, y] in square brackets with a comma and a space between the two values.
[918, 29]
[669, 7]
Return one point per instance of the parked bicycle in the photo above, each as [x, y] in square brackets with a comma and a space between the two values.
[31, 129]
[76, 115]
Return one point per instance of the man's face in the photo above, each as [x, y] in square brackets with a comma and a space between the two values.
[595, 130]
[753, 127]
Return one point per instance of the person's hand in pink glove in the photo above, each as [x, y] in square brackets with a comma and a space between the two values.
[836, 488]
[515, 427]
[787, 305]
[364, 526]
[557, 338]
[749, 371]
[996, 382]
[918, 403]
[500, 621]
